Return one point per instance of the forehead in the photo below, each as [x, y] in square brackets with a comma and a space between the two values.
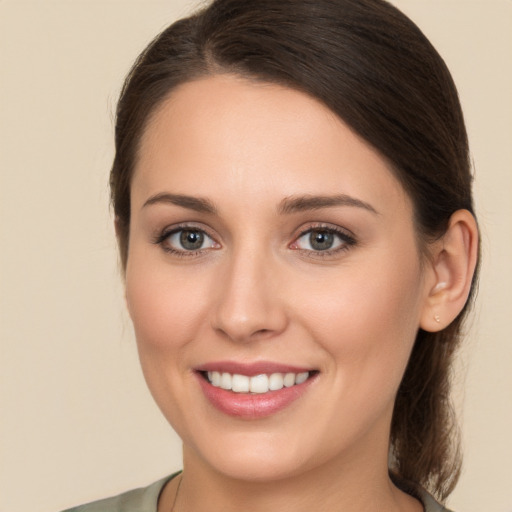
[225, 132]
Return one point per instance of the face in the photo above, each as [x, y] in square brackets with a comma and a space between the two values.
[273, 279]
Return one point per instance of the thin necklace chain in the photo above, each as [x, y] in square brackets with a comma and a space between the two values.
[177, 492]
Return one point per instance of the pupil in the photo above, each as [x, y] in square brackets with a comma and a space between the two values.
[321, 240]
[191, 240]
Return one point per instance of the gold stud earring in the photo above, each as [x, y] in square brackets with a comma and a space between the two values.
[437, 318]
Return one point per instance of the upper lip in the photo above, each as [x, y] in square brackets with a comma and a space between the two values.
[251, 369]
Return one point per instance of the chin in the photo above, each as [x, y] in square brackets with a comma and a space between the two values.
[257, 469]
[255, 457]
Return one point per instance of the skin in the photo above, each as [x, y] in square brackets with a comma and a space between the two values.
[258, 291]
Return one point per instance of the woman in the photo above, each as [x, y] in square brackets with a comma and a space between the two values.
[294, 215]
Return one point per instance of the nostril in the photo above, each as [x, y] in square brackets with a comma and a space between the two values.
[246, 317]
[262, 334]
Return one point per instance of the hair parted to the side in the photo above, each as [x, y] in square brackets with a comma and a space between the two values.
[375, 69]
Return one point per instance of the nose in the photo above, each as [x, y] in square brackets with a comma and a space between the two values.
[249, 304]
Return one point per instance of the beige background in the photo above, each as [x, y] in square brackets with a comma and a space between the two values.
[76, 421]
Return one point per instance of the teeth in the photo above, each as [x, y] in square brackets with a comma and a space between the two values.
[289, 380]
[240, 383]
[257, 384]
[226, 381]
[275, 381]
[301, 377]
[215, 378]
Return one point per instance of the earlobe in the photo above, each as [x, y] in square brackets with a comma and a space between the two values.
[453, 262]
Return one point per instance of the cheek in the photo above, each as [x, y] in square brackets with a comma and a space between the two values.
[165, 304]
[166, 308]
[367, 320]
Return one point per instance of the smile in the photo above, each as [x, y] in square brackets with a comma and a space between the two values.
[257, 384]
[253, 390]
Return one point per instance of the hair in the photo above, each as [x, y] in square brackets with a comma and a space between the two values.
[375, 69]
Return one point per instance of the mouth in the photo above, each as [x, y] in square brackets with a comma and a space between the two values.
[252, 391]
[256, 384]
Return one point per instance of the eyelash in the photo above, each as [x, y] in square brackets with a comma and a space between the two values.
[161, 238]
[347, 240]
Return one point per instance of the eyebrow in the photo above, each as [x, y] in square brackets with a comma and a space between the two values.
[286, 206]
[309, 202]
[197, 204]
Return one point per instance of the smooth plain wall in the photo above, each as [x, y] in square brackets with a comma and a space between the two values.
[76, 421]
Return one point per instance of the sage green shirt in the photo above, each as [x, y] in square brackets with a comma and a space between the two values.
[145, 499]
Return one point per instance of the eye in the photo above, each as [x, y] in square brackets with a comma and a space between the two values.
[327, 240]
[186, 240]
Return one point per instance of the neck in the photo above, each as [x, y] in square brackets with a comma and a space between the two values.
[352, 485]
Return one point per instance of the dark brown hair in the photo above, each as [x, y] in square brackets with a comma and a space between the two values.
[375, 69]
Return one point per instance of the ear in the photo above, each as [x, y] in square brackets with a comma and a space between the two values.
[453, 263]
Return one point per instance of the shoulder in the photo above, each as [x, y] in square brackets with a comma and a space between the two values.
[429, 503]
[144, 499]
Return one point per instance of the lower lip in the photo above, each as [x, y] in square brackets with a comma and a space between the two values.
[253, 406]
